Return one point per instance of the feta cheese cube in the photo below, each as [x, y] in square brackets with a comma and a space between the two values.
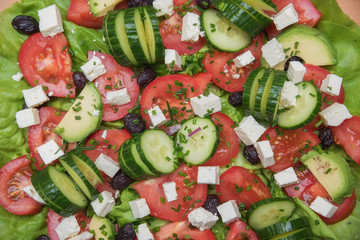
[139, 208]
[93, 69]
[82, 236]
[244, 59]
[286, 177]
[331, 85]
[68, 227]
[286, 17]
[118, 97]
[202, 218]
[229, 211]
[144, 233]
[163, 7]
[273, 52]
[204, 105]
[17, 77]
[208, 175]
[288, 95]
[50, 22]
[170, 191]
[157, 117]
[103, 205]
[249, 130]
[296, 72]
[323, 207]
[265, 153]
[31, 192]
[190, 27]
[173, 60]
[27, 117]
[35, 96]
[107, 165]
[335, 114]
[49, 151]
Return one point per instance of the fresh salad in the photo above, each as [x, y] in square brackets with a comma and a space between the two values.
[183, 119]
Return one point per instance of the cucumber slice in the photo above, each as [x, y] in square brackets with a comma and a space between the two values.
[124, 164]
[267, 212]
[281, 228]
[87, 167]
[274, 96]
[299, 234]
[251, 87]
[307, 107]
[110, 17]
[262, 95]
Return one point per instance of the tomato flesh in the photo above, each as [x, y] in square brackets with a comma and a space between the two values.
[182, 231]
[79, 13]
[240, 231]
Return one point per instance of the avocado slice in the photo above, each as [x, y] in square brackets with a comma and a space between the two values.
[102, 228]
[332, 171]
[100, 8]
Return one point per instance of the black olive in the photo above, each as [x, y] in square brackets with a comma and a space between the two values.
[291, 59]
[79, 80]
[251, 154]
[211, 202]
[138, 3]
[146, 76]
[126, 232]
[326, 136]
[204, 4]
[235, 99]
[25, 24]
[134, 123]
[121, 181]
[42, 237]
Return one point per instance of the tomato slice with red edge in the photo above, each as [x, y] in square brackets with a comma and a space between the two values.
[240, 231]
[79, 13]
[182, 230]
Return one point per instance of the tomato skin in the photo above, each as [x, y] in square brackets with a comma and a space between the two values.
[44, 61]
[79, 13]
[240, 231]
[182, 230]
[237, 178]
[22, 204]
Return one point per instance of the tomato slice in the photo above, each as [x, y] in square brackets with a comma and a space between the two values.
[14, 176]
[190, 194]
[79, 13]
[182, 230]
[115, 78]
[225, 73]
[46, 62]
[240, 184]
[229, 146]
[289, 145]
[240, 231]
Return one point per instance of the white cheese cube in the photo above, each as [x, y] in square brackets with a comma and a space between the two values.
[173, 60]
[204, 105]
[190, 27]
[202, 218]
[68, 227]
[286, 17]
[107, 165]
[273, 52]
[27, 117]
[335, 114]
[296, 72]
[157, 117]
[265, 153]
[208, 175]
[170, 191]
[103, 205]
[50, 22]
[82, 236]
[144, 233]
[288, 95]
[49, 151]
[286, 177]
[93, 69]
[104, 134]
[35, 96]
[244, 59]
[331, 85]
[229, 211]
[323, 207]
[31, 192]
[118, 97]
[17, 77]
[163, 7]
[249, 130]
[139, 208]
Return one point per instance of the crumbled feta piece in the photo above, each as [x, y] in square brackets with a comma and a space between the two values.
[118, 97]
[331, 85]
[83, 236]
[286, 177]
[50, 94]
[204, 105]
[163, 7]
[244, 59]
[157, 117]
[17, 77]
[174, 128]
[139, 208]
[202, 218]
[49, 151]
[96, 113]
[103, 205]
[208, 175]
[72, 31]
[68, 227]
[323, 207]
[273, 52]
[31, 192]
[286, 17]
[170, 191]
[93, 69]
[50, 22]
[296, 72]
[190, 27]
[35, 96]
[288, 95]
[229, 211]
[27, 117]
[107, 165]
[173, 60]
[249, 130]
[143, 232]
[104, 134]
[265, 153]
[335, 114]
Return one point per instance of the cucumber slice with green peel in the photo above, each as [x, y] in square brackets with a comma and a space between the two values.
[272, 105]
[262, 95]
[282, 227]
[251, 87]
[307, 107]
[299, 234]
[270, 211]
[124, 164]
[110, 17]
[87, 167]
[223, 34]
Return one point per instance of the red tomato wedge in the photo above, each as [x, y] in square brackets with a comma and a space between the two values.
[182, 230]
[79, 13]
[14, 176]
[223, 70]
[46, 62]
[240, 231]
[115, 78]
[190, 194]
[240, 184]
[229, 146]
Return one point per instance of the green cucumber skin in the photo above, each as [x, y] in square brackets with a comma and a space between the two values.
[303, 234]
[123, 164]
[274, 95]
[247, 90]
[88, 162]
[258, 98]
[282, 227]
